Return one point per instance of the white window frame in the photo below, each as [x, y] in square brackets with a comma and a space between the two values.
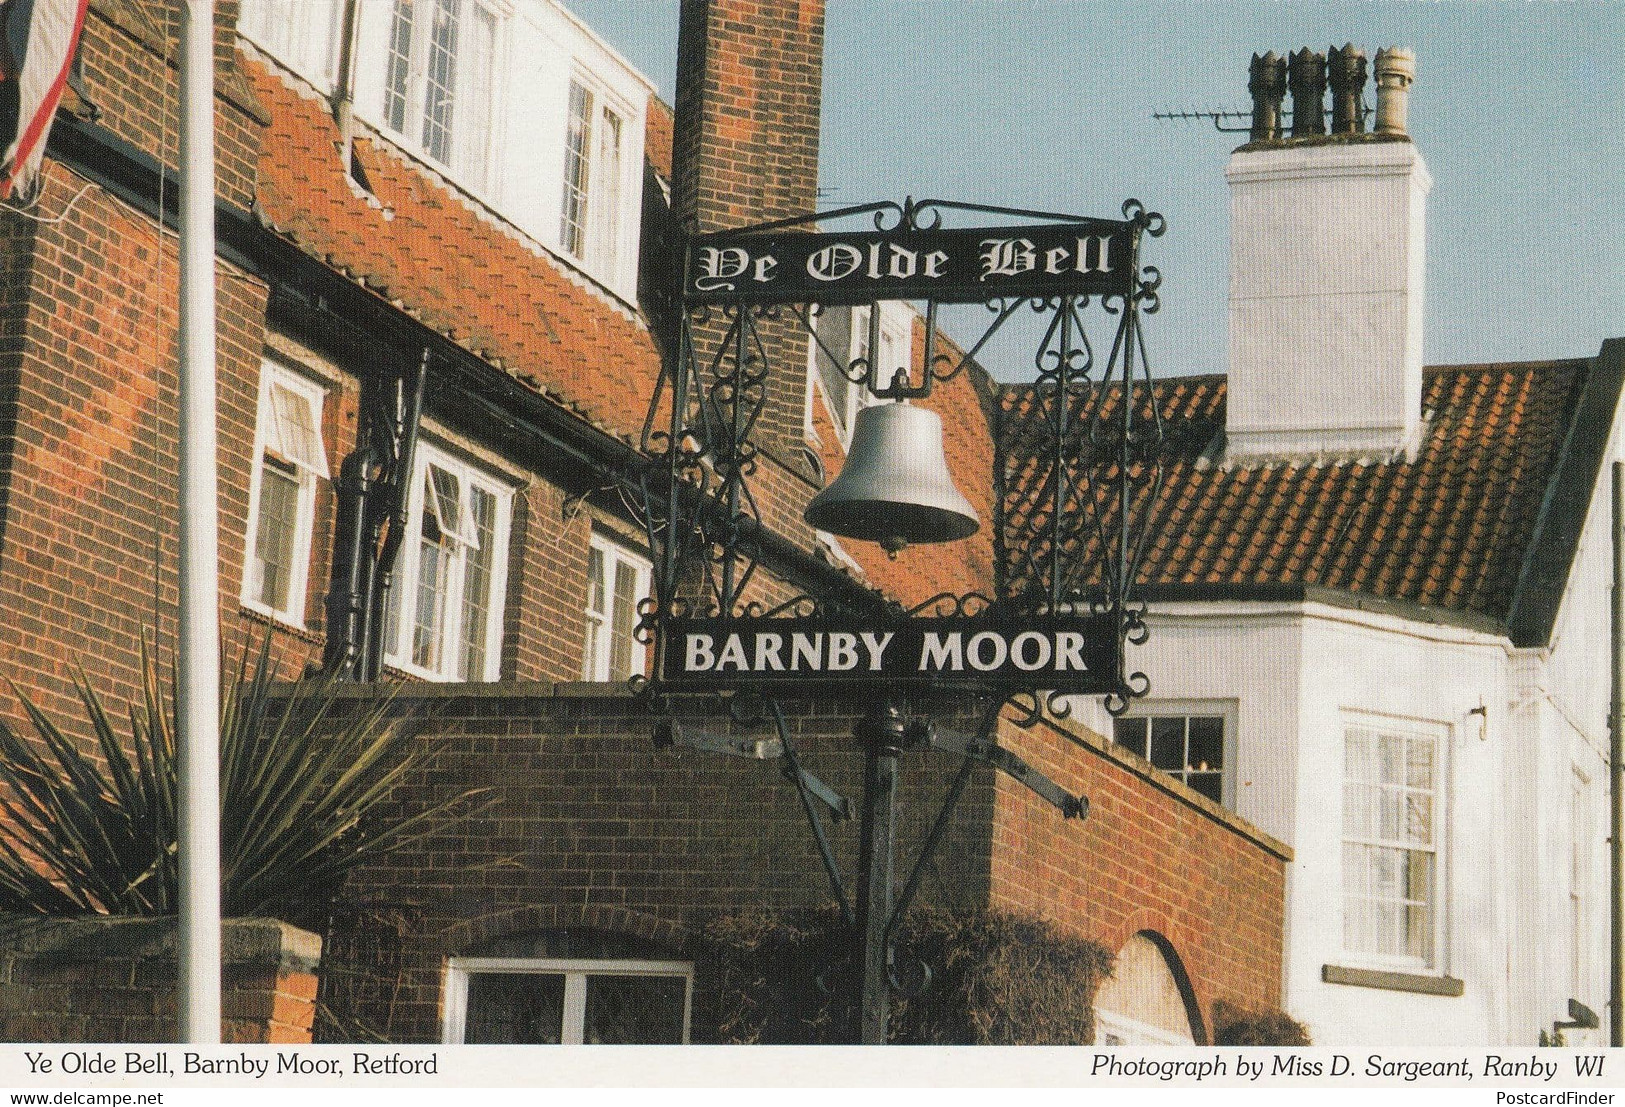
[1188, 709]
[404, 591]
[598, 627]
[897, 351]
[475, 110]
[1580, 879]
[575, 972]
[307, 472]
[1441, 736]
[602, 242]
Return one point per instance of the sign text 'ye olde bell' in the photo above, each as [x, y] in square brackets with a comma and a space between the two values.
[948, 266]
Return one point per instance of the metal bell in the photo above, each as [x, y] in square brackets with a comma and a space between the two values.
[894, 488]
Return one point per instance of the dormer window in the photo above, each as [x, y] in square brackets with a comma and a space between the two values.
[590, 220]
[302, 34]
[437, 81]
[519, 105]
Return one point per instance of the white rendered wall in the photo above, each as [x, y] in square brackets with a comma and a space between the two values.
[1564, 701]
[1326, 294]
[1294, 670]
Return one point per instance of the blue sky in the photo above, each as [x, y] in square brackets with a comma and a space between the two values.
[1518, 111]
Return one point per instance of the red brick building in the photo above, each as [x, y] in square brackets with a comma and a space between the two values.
[352, 252]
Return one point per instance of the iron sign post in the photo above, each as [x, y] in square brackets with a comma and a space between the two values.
[1076, 470]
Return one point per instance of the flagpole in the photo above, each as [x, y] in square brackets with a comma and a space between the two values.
[198, 640]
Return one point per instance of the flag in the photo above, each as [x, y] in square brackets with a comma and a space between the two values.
[36, 53]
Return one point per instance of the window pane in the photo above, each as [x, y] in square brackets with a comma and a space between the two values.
[1168, 743]
[272, 568]
[1419, 818]
[1419, 763]
[1207, 743]
[607, 201]
[834, 326]
[1131, 733]
[577, 171]
[625, 617]
[595, 581]
[1209, 784]
[439, 90]
[1357, 808]
[398, 67]
[1390, 816]
[1391, 758]
[514, 1008]
[477, 584]
[429, 619]
[634, 1010]
[293, 432]
[443, 498]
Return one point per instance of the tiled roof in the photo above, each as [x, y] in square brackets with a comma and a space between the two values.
[657, 137]
[419, 242]
[1449, 528]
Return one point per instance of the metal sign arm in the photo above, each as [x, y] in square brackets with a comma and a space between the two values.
[669, 734]
[929, 847]
[809, 787]
[990, 752]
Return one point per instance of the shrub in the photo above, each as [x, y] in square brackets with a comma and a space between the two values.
[1235, 1026]
[996, 979]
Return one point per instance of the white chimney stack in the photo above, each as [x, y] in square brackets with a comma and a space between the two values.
[1326, 268]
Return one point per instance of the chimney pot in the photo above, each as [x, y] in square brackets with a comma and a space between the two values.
[1306, 73]
[1396, 69]
[1266, 80]
[1346, 73]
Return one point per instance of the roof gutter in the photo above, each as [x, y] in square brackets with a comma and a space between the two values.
[1331, 597]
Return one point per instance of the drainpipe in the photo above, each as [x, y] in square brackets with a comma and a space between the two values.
[1616, 756]
[344, 86]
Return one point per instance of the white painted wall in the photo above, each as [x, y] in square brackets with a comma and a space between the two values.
[1296, 670]
[1563, 700]
[1326, 295]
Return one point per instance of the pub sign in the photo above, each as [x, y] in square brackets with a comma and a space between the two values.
[1066, 653]
[1088, 257]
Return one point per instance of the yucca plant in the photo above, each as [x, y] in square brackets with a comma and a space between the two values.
[303, 793]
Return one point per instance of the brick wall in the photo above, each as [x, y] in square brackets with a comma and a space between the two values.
[88, 382]
[1152, 856]
[745, 150]
[113, 980]
[591, 826]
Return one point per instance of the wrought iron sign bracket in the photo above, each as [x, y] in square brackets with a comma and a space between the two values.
[991, 753]
[1077, 468]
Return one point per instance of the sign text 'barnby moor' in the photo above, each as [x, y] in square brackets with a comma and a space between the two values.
[1090, 257]
[1061, 653]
